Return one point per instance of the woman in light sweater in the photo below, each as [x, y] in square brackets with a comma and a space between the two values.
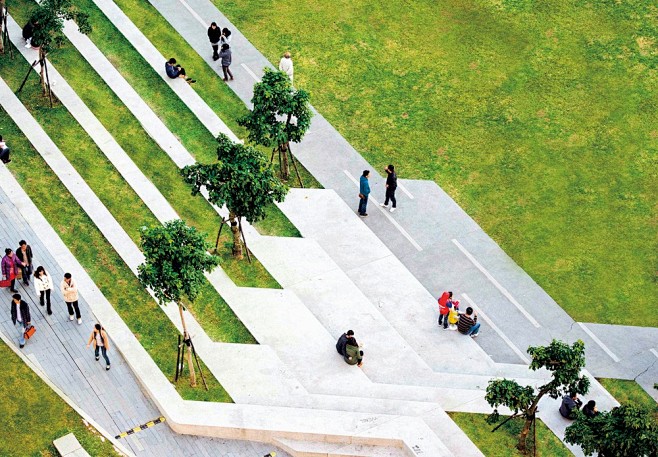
[285, 65]
[43, 284]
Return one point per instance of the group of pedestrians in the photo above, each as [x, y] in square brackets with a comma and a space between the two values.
[19, 265]
[451, 317]
[364, 190]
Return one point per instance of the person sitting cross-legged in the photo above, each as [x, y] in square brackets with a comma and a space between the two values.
[176, 71]
[468, 323]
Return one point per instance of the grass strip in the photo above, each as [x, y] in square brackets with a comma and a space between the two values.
[136, 307]
[212, 311]
[538, 118]
[629, 392]
[34, 416]
[153, 162]
[502, 442]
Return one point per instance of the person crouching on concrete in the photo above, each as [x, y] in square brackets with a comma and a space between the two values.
[353, 353]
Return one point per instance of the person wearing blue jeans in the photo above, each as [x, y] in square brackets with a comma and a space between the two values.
[101, 343]
[20, 317]
[364, 191]
[468, 324]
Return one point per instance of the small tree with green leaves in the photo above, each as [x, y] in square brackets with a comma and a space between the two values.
[281, 114]
[242, 180]
[565, 363]
[176, 257]
[625, 431]
[49, 32]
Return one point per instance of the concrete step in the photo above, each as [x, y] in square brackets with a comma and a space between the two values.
[298, 448]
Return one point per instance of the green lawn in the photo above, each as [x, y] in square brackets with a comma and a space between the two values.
[150, 326]
[630, 392]
[502, 442]
[36, 416]
[539, 119]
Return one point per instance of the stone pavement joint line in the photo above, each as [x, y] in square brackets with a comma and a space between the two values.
[432, 218]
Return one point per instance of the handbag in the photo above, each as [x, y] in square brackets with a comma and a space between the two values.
[29, 332]
[5, 282]
[361, 196]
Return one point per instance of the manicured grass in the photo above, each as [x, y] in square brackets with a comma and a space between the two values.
[630, 392]
[35, 416]
[538, 118]
[151, 326]
[502, 442]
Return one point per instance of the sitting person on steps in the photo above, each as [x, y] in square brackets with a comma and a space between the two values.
[176, 71]
[468, 323]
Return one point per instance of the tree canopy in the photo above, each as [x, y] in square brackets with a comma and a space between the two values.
[625, 431]
[176, 258]
[50, 16]
[564, 361]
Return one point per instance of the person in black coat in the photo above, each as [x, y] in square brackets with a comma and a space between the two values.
[24, 253]
[391, 185]
[214, 34]
[342, 342]
[28, 33]
[20, 316]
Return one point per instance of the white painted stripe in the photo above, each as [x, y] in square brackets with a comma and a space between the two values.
[194, 14]
[654, 352]
[404, 189]
[599, 342]
[514, 348]
[248, 70]
[387, 214]
[504, 291]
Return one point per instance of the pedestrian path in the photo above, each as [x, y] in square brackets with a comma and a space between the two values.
[59, 347]
[430, 227]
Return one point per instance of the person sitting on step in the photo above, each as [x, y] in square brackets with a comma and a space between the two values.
[468, 323]
[176, 71]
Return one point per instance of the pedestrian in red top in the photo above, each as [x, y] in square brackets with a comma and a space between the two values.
[445, 305]
[10, 265]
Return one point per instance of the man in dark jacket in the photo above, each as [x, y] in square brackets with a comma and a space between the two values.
[28, 33]
[570, 404]
[24, 253]
[174, 71]
[342, 342]
[214, 34]
[391, 185]
[20, 316]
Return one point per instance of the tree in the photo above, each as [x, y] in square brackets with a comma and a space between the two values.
[50, 16]
[565, 364]
[176, 258]
[281, 114]
[625, 431]
[242, 180]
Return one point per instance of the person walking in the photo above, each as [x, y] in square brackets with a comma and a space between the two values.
[20, 317]
[285, 65]
[364, 191]
[4, 151]
[174, 70]
[214, 34]
[10, 265]
[101, 343]
[391, 185]
[225, 55]
[70, 292]
[24, 253]
[43, 285]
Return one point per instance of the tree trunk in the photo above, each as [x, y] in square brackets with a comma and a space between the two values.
[529, 416]
[237, 242]
[285, 166]
[186, 335]
[2, 23]
[42, 72]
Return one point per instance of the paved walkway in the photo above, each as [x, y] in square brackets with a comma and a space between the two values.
[59, 349]
[430, 227]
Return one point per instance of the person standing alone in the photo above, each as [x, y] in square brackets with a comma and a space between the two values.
[364, 191]
[214, 34]
[101, 343]
[70, 292]
[285, 65]
[391, 185]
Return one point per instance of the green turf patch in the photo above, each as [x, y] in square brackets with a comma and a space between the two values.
[538, 118]
[34, 416]
[502, 442]
[629, 392]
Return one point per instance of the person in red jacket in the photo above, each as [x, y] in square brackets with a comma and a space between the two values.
[445, 305]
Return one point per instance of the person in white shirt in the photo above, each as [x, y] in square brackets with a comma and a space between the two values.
[70, 292]
[43, 285]
[285, 65]
[4, 151]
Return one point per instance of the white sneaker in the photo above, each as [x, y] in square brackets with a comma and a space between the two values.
[71, 317]
[80, 321]
[28, 45]
[393, 209]
[383, 205]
